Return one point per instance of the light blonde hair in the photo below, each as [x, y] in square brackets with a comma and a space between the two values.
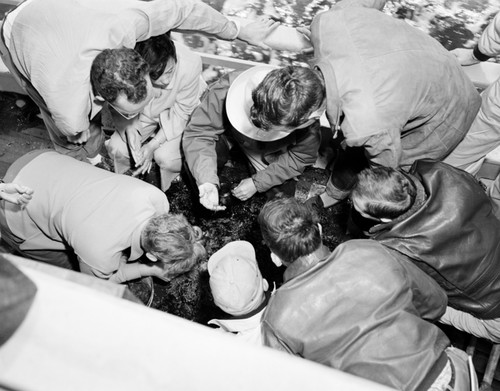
[175, 242]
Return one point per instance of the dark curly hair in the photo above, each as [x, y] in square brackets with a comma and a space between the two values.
[116, 71]
[157, 51]
[287, 97]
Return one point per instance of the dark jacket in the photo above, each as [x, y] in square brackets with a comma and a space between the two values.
[360, 311]
[209, 121]
[453, 236]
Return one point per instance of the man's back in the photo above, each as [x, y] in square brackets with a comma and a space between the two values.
[360, 311]
[453, 236]
[392, 78]
[97, 213]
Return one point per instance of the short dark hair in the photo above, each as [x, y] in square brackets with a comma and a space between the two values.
[175, 242]
[290, 229]
[384, 192]
[116, 71]
[287, 97]
[157, 51]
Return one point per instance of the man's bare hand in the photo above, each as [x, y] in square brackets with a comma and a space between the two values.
[209, 197]
[16, 194]
[160, 270]
[245, 189]
[256, 32]
[144, 160]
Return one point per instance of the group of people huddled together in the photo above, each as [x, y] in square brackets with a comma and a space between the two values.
[410, 129]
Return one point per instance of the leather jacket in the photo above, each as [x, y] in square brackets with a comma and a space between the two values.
[360, 311]
[453, 236]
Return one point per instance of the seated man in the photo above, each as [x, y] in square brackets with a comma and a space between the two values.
[439, 217]
[392, 90]
[156, 132]
[82, 214]
[278, 154]
[357, 309]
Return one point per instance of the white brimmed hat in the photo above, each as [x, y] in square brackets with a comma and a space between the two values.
[239, 101]
[235, 280]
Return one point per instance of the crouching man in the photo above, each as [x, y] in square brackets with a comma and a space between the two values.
[357, 309]
[278, 155]
[440, 218]
[82, 217]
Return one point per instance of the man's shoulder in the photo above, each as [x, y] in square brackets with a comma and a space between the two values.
[186, 57]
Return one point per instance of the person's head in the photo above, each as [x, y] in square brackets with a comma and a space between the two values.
[121, 78]
[170, 239]
[235, 280]
[290, 229]
[383, 193]
[288, 98]
[160, 54]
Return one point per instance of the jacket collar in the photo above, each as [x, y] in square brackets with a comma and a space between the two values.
[302, 264]
[333, 101]
[420, 199]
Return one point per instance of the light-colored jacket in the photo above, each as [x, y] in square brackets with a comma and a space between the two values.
[489, 43]
[96, 213]
[403, 95]
[53, 44]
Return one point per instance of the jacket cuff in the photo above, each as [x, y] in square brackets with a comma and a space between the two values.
[480, 56]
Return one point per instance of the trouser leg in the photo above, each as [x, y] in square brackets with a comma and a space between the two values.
[483, 135]
[347, 165]
[168, 157]
[118, 151]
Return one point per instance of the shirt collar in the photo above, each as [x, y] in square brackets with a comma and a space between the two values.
[333, 100]
[136, 250]
[95, 105]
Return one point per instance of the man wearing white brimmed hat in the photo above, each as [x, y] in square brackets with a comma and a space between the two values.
[239, 290]
[278, 155]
